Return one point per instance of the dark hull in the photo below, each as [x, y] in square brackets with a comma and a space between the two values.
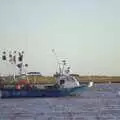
[58, 92]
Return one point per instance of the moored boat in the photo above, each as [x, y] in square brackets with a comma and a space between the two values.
[66, 84]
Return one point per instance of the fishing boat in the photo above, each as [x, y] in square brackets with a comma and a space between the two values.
[65, 85]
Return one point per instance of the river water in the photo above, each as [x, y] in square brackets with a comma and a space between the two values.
[102, 102]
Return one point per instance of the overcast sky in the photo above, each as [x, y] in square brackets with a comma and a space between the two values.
[85, 32]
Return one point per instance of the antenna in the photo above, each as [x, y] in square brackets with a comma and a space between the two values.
[53, 51]
[58, 64]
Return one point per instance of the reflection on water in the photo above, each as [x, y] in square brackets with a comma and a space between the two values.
[101, 102]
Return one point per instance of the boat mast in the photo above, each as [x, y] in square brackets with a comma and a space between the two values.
[15, 59]
[10, 57]
[63, 64]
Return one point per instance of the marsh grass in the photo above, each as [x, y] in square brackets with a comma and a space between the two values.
[51, 79]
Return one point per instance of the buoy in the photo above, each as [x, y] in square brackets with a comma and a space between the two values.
[90, 84]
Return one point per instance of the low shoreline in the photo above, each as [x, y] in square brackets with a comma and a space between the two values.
[51, 79]
[101, 79]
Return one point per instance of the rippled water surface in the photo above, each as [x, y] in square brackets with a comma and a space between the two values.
[102, 102]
